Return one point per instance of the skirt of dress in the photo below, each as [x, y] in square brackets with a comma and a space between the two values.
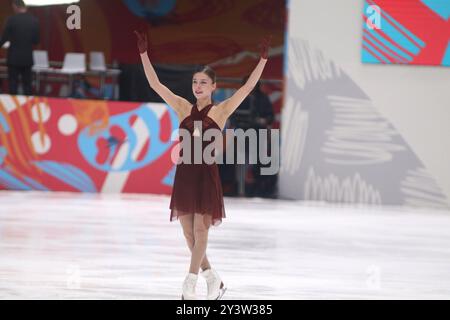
[197, 189]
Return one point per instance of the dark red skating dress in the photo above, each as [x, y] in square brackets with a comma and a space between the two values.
[197, 187]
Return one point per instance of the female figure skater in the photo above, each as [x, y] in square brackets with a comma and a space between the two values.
[197, 198]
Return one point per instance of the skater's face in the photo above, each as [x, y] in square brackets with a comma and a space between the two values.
[202, 85]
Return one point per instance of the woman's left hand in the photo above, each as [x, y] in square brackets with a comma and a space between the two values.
[141, 41]
[264, 46]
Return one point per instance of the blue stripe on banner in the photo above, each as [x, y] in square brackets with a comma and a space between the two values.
[3, 123]
[374, 50]
[440, 7]
[12, 182]
[2, 154]
[6, 184]
[35, 185]
[68, 174]
[379, 47]
[368, 57]
[75, 177]
[83, 179]
[389, 45]
[446, 60]
[169, 178]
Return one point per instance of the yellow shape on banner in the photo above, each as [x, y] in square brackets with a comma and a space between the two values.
[92, 114]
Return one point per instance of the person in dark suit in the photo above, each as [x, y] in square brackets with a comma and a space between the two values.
[256, 112]
[22, 31]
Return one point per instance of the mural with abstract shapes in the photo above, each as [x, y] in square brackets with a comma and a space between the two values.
[337, 147]
[407, 32]
[85, 145]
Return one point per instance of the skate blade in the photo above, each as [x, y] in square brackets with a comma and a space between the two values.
[221, 293]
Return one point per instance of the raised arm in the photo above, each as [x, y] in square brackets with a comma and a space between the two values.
[231, 104]
[179, 104]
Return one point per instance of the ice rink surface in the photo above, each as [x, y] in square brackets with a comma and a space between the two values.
[122, 246]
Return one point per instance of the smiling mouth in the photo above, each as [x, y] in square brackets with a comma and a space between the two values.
[198, 92]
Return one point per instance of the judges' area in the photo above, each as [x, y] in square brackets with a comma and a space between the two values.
[74, 67]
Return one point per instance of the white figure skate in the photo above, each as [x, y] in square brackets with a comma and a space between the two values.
[189, 287]
[216, 288]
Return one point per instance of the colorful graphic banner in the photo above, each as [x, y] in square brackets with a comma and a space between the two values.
[85, 145]
[406, 32]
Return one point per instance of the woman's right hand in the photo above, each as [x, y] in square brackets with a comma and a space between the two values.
[265, 46]
[141, 41]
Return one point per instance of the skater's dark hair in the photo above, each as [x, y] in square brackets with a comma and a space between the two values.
[208, 71]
